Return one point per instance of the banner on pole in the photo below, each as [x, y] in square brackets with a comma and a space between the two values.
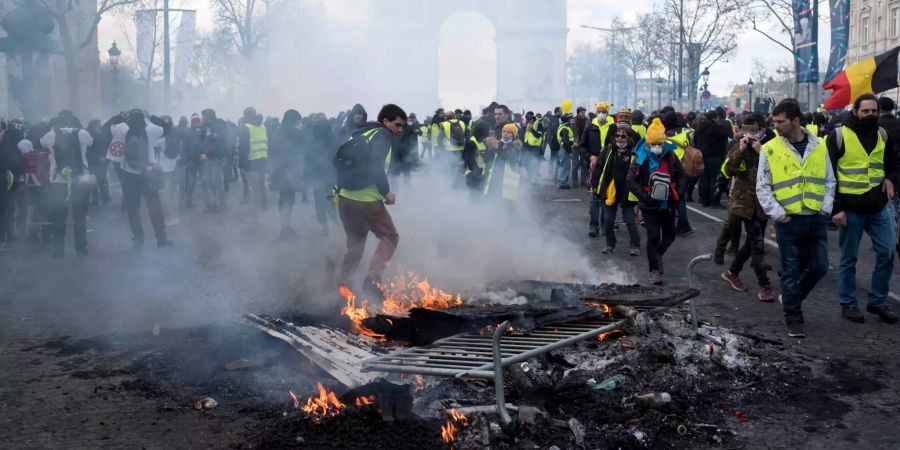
[806, 35]
[840, 34]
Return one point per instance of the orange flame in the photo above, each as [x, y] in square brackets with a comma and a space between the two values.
[420, 383]
[403, 293]
[459, 417]
[325, 404]
[448, 432]
[356, 314]
[618, 334]
[606, 308]
[295, 399]
[365, 400]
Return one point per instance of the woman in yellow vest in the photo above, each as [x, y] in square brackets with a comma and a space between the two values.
[502, 161]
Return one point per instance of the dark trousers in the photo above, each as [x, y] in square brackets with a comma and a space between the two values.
[707, 184]
[324, 205]
[660, 234]
[594, 211]
[359, 218]
[731, 232]
[59, 201]
[609, 223]
[5, 211]
[286, 206]
[754, 247]
[191, 174]
[137, 187]
[803, 245]
[100, 194]
[580, 169]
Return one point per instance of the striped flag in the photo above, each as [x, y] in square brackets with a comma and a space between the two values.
[875, 74]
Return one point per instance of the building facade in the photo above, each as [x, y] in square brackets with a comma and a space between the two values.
[874, 29]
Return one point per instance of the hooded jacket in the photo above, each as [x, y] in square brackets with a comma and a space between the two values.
[286, 154]
[711, 138]
[349, 126]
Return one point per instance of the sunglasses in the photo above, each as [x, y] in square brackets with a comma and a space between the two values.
[621, 136]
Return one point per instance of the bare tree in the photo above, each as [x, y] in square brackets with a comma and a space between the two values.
[633, 51]
[64, 12]
[774, 19]
[708, 31]
[130, 15]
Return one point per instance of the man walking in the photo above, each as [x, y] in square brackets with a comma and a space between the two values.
[795, 186]
[363, 191]
[867, 164]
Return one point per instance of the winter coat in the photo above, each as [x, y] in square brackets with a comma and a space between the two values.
[591, 138]
[286, 153]
[742, 167]
[638, 180]
[875, 199]
[616, 171]
[711, 138]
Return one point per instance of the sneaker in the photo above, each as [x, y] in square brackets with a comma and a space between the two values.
[732, 250]
[734, 281]
[634, 252]
[765, 294]
[595, 231]
[852, 314]
[655, 278]
[719, 258]
[795, 329]
[608, 250]
[883, 312]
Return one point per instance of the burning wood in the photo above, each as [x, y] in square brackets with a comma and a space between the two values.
[616, 334]
[402, 294]
[294, 399]
[366, 400]
[449, 430]
[356, 314]
[324, 405]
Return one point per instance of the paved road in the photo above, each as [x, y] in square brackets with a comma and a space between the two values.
[55, 395]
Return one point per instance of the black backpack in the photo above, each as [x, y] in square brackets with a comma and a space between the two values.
[353, 162]
[67, 149]
[457, 134]
[137, 151]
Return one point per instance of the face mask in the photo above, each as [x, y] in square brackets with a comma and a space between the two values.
[602, 117]
[506, 141]
[870, 123]
[656, 149]
[621, 145]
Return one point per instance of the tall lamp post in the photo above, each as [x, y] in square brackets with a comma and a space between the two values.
[750, 89]
[659, 85]
[705, 75]
[114, 54]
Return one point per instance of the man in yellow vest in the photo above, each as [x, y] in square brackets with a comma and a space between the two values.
[795, 186]
[867, 165]
[533, 148]
[253, 149]
[362, 199]
[599, 133]
[565, 136]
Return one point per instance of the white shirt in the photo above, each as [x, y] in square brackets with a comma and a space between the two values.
[154, 135]
[49, 141]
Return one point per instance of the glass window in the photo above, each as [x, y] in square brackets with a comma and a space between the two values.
[864, 31]
[895, 21]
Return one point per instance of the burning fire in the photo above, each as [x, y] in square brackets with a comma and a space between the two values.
[606, 308]
[614, 333]
[404, 293]
[420, 383]
[400, 295]
[365, 400]
[295, 399]
[323, 405]
[448, 430]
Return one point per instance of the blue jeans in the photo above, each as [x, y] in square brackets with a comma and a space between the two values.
[683, 224]
[803, 245]
[563, 167]
[879, 227]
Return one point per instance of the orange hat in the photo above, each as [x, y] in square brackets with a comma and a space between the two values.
[512, 128]
[656, 132]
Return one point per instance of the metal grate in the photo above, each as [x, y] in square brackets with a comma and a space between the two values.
[471, 354]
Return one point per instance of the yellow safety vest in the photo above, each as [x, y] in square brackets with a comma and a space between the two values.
[370, 193]
[640, 129]
[510, 190]
[449, 144]
[480, 148]
[604, 129]
[259, 142]
[682, 141]
[560, 138]
[742, 168]
[531, 137]
[434, 134]
[813, 128]
[858, 172]
[797, 186]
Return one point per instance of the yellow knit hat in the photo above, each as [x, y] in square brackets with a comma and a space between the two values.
[656, 132]
[512, 128]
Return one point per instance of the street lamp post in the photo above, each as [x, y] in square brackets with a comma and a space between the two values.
[114, 54]
[659, 85]
[750, 89]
